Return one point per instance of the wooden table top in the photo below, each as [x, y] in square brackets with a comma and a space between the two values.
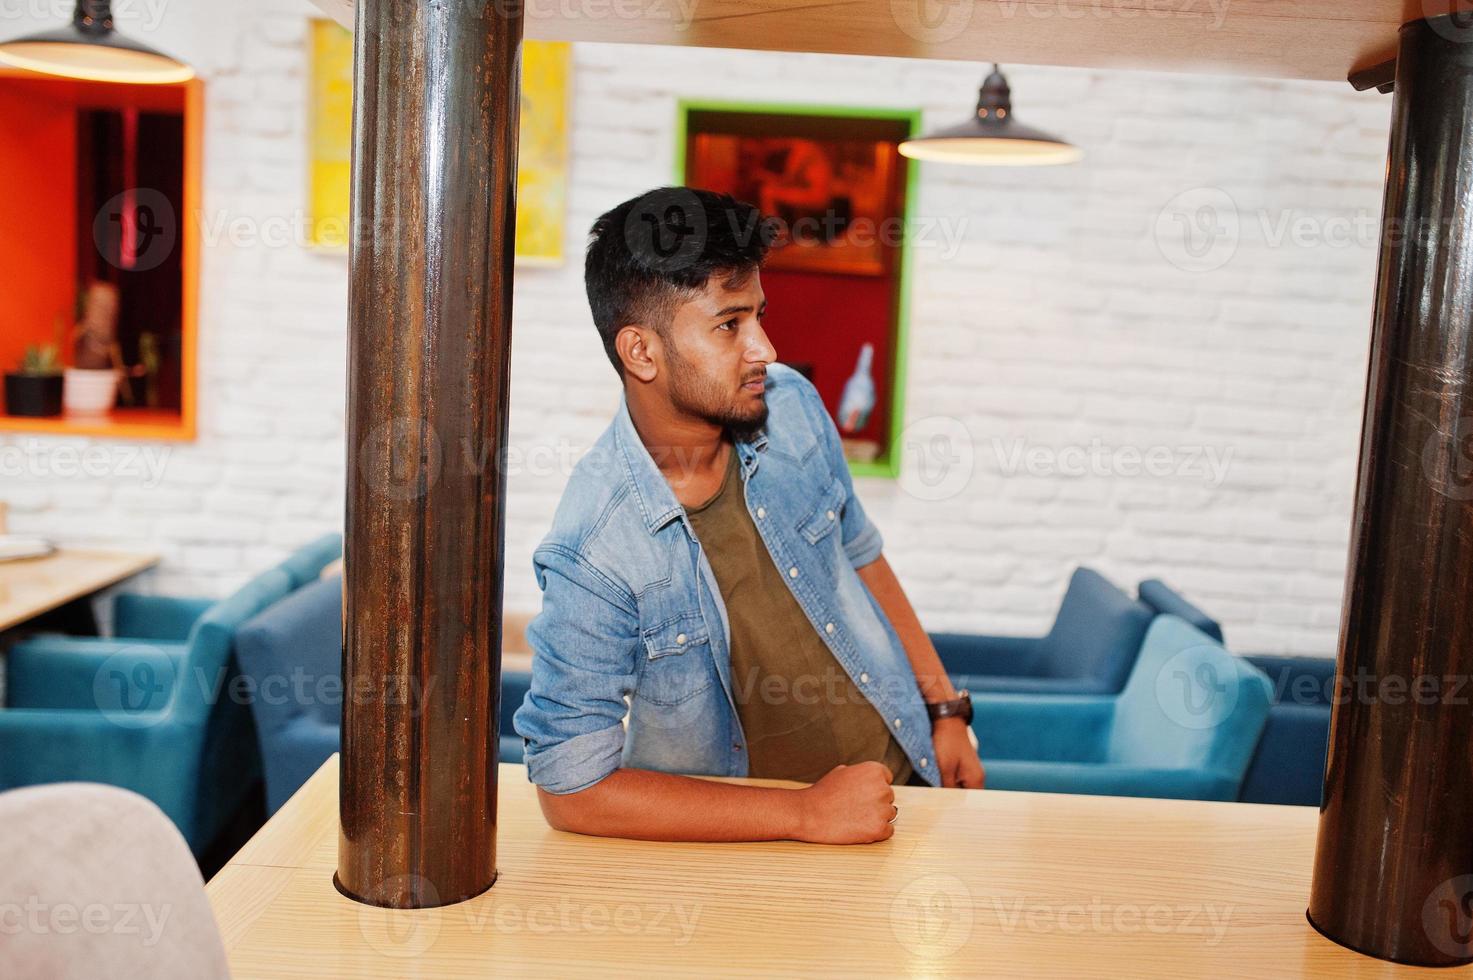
[973, 883]
[32, 586]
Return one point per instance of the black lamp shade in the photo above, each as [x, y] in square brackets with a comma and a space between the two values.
[992, 137]
[89, 48]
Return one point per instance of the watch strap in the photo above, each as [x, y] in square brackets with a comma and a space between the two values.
[958, 707]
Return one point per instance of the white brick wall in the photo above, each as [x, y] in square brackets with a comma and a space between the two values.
[1055, 326]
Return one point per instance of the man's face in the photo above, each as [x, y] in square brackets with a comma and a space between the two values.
[716, 355]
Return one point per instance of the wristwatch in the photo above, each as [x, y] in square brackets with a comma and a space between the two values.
[958, 707]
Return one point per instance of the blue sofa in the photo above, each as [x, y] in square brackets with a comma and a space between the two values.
[1184, 727]
[1289, 764]
[1089, 650]
[152, 709]
[292, 655]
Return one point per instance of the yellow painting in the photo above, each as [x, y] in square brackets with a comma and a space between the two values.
[330, 132]
[542, 154]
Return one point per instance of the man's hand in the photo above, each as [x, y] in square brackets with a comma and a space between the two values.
[850, 805]
[956, 760]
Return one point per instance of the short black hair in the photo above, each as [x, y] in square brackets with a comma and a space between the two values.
[653, 251]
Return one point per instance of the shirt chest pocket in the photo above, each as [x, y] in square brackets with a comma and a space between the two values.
[677, 664]
[823, 517]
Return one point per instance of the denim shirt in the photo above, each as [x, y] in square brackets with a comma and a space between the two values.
[633, 622]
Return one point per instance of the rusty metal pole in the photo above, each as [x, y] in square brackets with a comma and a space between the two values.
[1393, 873]
[436, 108]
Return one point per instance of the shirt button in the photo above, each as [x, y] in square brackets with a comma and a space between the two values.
[761, 512]
[828, 628]
[864, 678]
[793, 572]
[898, 722]
[925, 763]
[831, 515]
[680, 638]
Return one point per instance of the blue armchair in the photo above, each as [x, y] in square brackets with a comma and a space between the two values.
[1089, 649]
[1289, 764]
[291, 656]
[1184, 727]
[152, 710]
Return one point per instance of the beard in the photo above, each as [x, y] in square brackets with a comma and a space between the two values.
[705, 398]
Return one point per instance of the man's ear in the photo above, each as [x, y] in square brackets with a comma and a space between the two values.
[638, 346]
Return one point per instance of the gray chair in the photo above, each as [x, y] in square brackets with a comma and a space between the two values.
[99, 883]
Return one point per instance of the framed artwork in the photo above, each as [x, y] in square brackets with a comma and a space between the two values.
[329, 133]
[542, 152]
[832, 195]
[836, 279]
[542, 155]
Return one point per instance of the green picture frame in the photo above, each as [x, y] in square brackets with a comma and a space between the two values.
[888, 465]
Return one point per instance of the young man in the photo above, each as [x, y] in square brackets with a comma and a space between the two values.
[711, 574]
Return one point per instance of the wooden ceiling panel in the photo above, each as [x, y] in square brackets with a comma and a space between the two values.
[1312, 39]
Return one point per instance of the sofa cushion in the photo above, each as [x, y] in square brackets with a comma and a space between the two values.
[293, 655]
[1097, 633]
[1164, 599]
[1189, 704]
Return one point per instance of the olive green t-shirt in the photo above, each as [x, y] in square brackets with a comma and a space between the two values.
[801, 712]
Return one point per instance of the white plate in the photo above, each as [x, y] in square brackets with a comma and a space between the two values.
[16, 546]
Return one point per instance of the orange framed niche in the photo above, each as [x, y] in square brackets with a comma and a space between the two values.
[67, 186]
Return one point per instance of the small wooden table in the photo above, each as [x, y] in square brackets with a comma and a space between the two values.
[973, 883]
[32, 586]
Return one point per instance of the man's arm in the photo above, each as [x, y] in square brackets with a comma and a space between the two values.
[585, 643]
[850, 805]
[956, 760]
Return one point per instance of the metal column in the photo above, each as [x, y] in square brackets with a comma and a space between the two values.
[1393, 872]
[436, 103]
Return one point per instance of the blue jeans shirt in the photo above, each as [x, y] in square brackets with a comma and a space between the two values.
[633, 623]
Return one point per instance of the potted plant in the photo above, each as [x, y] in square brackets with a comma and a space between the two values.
[91, 383]
[34, 390]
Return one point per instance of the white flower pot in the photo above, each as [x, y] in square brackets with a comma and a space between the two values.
[89, 392]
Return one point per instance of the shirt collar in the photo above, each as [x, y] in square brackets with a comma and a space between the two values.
[656, 500]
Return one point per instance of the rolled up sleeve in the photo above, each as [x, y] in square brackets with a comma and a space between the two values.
[862, 541]
[584, 644]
